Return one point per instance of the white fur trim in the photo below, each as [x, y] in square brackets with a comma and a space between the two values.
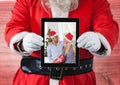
[54, 82]
[16, 38]
[67, 39]
[105, 44]
[54, 35]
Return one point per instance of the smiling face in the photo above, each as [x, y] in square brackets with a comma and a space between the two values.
[55, 39]
[65, 41]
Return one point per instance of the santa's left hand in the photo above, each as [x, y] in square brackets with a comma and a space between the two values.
[89, 41]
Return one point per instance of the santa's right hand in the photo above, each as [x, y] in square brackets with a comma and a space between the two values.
[32, 42]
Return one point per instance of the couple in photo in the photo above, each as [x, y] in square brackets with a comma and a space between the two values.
[61, 51]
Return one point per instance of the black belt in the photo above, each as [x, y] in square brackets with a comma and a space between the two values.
[32, 65]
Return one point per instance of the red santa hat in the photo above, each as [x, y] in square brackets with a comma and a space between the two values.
[53, 34]
[69, 37]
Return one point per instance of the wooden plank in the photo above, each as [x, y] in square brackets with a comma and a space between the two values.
[107, 69]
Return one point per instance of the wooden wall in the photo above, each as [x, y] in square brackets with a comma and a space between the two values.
[107, 69]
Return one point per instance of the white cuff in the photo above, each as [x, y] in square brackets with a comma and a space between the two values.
[16, 38]
[106, 45]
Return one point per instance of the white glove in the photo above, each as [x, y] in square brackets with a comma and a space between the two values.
[89, 41]
[32, 42]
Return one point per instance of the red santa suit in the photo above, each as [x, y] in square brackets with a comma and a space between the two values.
[94, 15]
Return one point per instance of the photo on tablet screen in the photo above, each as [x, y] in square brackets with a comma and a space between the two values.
[60, 36]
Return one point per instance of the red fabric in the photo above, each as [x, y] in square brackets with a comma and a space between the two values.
[52, 33]
[33, 79]
[94, 15]
[69, 36]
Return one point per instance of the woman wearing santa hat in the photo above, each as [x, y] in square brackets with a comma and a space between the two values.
[98, 35]
[69, 49]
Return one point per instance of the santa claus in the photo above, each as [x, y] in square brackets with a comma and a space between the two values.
[98, 35]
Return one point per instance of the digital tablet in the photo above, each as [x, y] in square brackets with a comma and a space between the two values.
[60, 36]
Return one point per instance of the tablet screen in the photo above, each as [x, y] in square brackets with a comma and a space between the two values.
[60, 35]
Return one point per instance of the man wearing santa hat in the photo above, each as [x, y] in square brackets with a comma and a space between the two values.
[55, 49]
[69, 49]
[98, 35]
